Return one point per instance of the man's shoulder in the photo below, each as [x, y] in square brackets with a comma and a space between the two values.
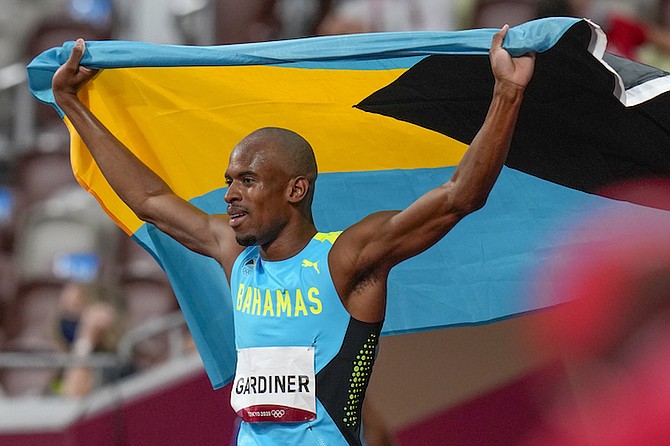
[328, 237]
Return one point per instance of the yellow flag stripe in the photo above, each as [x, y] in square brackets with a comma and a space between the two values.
[184, 121]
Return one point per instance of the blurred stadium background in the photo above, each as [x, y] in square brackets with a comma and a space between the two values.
[144, 383]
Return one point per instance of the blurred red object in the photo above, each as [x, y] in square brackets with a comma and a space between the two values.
[614, 336]
[624, 35]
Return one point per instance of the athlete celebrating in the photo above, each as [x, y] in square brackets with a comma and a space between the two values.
[308, 305]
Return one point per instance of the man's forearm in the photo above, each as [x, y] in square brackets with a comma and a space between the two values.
[132, 180]
[482, 162]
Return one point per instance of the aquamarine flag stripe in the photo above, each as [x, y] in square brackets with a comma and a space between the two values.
[477, 274]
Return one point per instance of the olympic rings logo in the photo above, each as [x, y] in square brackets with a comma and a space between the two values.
[278, 413]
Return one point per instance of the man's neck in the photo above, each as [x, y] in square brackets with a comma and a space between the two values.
[289, 243]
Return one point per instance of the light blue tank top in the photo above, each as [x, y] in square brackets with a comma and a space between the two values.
[287, 303]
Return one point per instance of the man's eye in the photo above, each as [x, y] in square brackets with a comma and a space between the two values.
[247, 180]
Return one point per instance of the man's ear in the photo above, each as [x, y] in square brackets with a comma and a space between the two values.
[298, 188]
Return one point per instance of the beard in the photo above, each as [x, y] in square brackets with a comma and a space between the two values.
[258, 237]
[246, 240]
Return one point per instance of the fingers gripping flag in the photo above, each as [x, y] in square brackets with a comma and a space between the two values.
[389, 116]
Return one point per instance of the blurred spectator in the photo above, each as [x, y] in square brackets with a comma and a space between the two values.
[85, 328]
[86, 324]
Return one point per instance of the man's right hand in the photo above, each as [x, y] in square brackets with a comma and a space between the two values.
[71, 76]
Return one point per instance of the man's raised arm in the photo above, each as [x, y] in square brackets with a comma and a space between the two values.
[366, 251]
[141, 189]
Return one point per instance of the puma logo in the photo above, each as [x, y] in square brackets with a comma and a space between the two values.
[307, 264]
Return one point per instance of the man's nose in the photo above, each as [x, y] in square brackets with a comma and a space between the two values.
[231, 193]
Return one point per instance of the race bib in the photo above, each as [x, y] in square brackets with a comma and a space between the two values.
[275, 384]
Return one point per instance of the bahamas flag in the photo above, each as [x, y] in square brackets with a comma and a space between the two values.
[389, 116]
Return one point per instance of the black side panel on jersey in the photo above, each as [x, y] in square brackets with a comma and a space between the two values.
[341, 384]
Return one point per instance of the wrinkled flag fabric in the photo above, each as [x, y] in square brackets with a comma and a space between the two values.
[389, 116]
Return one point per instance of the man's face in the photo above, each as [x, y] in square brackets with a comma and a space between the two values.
[257, 204]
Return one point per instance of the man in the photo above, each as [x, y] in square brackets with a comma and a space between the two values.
[309, 306]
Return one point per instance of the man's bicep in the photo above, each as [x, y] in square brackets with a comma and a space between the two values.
[364, 245]
[390, 237]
